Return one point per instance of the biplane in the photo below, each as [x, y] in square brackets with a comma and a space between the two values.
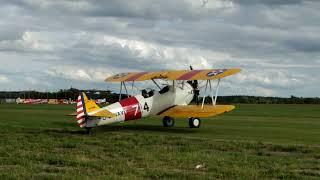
[170, 101]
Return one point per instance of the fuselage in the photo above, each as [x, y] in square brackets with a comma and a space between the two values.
[142, 105]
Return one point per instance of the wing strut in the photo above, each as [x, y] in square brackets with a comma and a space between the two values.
[173, 84]
[214, 100]
[156, 83]
[216, 96]
[120, 91]
[210, 86]
[132, 88]
[204, 95]
[125, 87]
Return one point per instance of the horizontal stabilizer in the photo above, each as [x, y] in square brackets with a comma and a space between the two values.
[88, 108]
[103, 113]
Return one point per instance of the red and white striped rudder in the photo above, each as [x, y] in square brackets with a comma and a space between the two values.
[81, 111]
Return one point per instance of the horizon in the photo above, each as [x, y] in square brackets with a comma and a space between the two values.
[57, 91]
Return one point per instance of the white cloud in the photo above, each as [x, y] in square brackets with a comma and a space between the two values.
[150, 53]
[79, 74]
[28, 42]
[271, 78]
[4, 79]
[264, 91]
[32, 81]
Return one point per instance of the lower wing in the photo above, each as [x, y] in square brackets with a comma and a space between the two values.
[196, 110]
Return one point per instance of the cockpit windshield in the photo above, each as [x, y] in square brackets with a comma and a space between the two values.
[164, 90]
[148, 92]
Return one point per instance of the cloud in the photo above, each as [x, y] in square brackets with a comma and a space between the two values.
[32, 80]
[271, 2]
[78, 74]
[304, 44]
[56, 44]
[272, 79]
[4, 79]
[28, 42]
[153, 54]
[150, 9]
[265, 91]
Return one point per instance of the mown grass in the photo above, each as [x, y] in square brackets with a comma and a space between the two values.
[252, 142]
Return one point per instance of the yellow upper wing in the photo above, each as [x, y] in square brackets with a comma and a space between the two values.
[196, 110]
[137, 76]
[204, 74]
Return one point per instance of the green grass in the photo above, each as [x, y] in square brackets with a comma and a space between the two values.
[252, 142]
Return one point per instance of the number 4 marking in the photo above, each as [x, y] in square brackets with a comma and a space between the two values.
[146, 107]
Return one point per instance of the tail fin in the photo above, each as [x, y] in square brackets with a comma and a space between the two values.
[85, 106]
[89, 104]
[81, 111]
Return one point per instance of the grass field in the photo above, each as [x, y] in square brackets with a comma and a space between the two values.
[254, 141]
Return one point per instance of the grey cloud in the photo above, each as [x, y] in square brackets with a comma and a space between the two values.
[275, 43]
[271, 2]
[148, 9]
[304, 45]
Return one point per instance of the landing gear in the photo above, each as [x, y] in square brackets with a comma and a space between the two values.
[88, 130]
[194, 122]
[168, 121]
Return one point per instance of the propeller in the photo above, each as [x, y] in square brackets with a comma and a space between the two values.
[195, 86]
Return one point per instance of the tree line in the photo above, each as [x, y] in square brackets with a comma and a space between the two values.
[264, 100]
[73, 94]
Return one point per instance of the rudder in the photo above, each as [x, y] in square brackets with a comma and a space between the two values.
[81, 111]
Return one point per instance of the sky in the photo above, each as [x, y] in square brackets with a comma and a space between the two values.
[49, 45]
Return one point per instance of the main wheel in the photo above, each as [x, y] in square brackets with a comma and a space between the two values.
[194, 122]
[168, 121]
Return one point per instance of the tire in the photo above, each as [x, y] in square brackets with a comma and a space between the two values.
[168, 121]
[88, 130]
[194, 122]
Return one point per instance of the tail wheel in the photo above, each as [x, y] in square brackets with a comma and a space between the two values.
[168, 121]
[88, 130]
[194, 122]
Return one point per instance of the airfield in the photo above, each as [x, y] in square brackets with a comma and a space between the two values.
[253, 141]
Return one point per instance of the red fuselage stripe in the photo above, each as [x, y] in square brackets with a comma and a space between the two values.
[189, 75]
[132, 108]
